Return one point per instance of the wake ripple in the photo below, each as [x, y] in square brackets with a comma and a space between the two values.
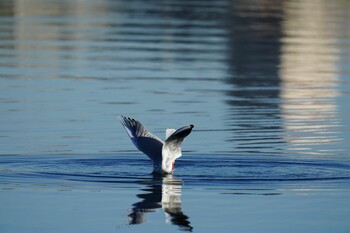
[205, 170]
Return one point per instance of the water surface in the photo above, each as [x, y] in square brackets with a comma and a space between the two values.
[265, 84]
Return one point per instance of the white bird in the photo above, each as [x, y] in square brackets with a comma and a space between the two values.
[162, 154]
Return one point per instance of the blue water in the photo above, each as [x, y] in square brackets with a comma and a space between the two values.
[266, 85]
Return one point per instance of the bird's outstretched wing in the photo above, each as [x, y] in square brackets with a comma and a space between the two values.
[146, 142]
[172, 147]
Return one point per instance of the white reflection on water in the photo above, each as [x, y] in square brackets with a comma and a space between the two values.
[308, 72]
[162, 192]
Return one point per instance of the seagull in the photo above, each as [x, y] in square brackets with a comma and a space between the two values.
[162, 153]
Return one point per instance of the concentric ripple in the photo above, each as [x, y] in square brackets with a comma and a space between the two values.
[116, 171]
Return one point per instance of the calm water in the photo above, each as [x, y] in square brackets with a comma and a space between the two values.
[266, 84]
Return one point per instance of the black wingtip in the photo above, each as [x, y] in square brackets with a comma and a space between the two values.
[191, 126]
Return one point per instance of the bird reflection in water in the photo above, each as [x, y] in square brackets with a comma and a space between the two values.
[164, 191]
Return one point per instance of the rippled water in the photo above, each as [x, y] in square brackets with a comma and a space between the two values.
[265, 83]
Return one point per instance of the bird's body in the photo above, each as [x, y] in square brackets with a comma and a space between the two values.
[162, 153]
